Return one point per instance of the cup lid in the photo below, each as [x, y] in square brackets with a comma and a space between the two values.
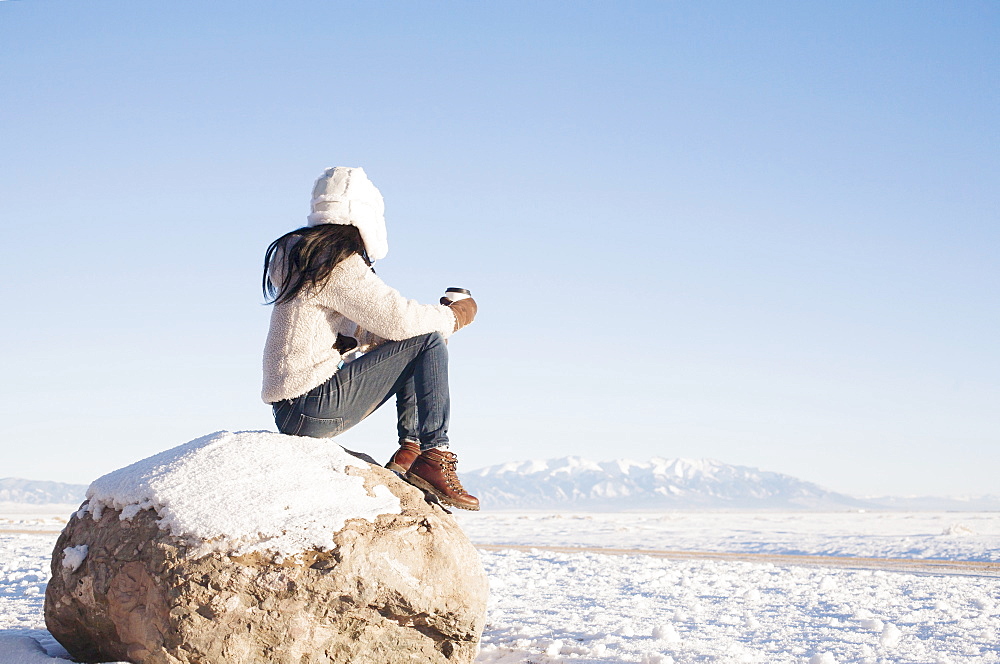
[464, 291]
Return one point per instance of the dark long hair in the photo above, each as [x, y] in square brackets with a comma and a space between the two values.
[308, 255]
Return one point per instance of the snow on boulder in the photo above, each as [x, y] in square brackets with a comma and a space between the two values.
[259, 547]
[246, 492]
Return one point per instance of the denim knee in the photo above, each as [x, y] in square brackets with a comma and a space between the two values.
[434, 339]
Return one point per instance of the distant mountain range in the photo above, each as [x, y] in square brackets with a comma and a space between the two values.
[573, 483]
[33, 492]
[576, 483]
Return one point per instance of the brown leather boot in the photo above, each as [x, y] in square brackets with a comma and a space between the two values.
[404, 456]
[434, 471]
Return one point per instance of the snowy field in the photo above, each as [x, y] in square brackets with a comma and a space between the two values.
[944, 535]
[593, 608]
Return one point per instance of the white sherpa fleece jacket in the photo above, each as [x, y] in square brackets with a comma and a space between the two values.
[299, 353]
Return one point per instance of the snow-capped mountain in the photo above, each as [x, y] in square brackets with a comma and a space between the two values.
[573, 483]
[34, 492]
[576, 483]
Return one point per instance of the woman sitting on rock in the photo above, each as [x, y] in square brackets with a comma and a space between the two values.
[342, 342]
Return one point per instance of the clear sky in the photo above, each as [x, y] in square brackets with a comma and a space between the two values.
[765, 233]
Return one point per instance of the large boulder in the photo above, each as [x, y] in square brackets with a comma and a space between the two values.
[257, 547]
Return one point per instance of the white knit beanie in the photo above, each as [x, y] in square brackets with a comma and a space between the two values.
[346, 196]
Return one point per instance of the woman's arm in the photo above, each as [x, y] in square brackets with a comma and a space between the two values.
[359, 294]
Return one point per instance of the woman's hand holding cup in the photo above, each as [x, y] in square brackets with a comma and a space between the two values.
[462, 305]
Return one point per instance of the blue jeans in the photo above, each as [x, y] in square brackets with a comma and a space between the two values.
[414, 370]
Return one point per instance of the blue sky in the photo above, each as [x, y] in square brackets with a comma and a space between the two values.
[762, 233]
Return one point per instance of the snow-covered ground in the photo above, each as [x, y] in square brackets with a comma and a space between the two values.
[593, 608]
[24, 572]
[14, 516]
[944, 535]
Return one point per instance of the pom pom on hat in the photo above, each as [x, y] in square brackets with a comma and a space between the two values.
[344, 195]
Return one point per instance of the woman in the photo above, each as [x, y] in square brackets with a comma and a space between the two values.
[342, 342]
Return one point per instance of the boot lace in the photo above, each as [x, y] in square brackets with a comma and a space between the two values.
[448, 463]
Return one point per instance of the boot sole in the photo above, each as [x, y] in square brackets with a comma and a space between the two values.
[421, 483]
[395, 467]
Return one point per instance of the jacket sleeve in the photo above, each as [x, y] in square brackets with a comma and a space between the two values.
[359, 294]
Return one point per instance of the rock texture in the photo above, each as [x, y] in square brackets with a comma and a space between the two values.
[407, 588]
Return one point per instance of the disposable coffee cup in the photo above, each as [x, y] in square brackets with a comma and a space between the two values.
[456, 294]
